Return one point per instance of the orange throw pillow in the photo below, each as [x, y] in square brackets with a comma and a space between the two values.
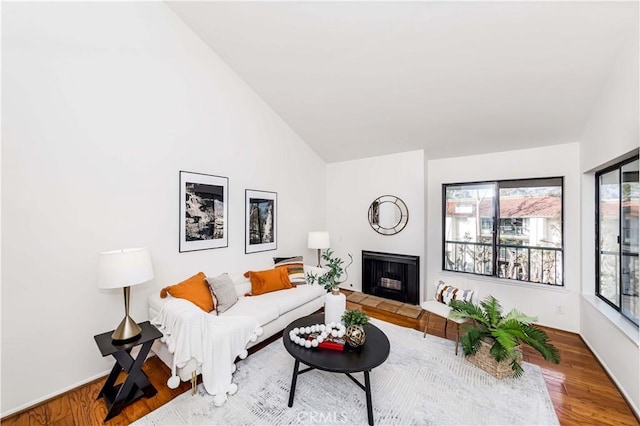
[268, 280]
[194, 289]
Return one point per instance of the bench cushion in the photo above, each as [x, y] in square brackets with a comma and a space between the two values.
[441, 310]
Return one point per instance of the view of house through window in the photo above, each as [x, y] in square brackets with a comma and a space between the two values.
[617, 266]
[507, 229]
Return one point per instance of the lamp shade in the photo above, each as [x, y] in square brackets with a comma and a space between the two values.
[123, 268]
[318, 240]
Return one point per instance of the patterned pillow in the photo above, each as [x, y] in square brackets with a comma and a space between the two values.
[295, 267]
[445, 293]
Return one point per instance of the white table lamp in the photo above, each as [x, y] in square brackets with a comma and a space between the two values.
[318, 240]
[122, 269]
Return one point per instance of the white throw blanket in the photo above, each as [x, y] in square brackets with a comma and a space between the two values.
[213, 341]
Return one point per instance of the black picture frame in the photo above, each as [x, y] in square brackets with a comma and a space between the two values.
[261, 221]
[204, 208]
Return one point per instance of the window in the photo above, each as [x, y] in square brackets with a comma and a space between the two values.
[617, 237]
[506, 229]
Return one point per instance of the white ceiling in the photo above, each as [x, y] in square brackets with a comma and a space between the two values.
[360, 79]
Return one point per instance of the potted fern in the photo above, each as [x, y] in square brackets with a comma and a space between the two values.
[497, 337]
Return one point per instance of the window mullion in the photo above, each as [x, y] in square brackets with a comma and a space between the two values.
[619, 239]
[496, 229]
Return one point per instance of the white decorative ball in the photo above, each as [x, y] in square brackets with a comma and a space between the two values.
[340, 333]
[334, 333]
[253, 338]
[301, 343]
[296, 339]
[243, 354]
[320, 339]
[296, 330]
[307, 330]
[173, 382]
[259, 331]
[233, 368]
[322, 327]
[324, 334]
[313, 328]
[333, 324]
[307, 344]
[314, 343]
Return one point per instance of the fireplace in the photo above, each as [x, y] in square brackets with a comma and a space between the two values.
[392, 276]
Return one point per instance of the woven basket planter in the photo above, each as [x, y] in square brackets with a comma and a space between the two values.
[485, 361]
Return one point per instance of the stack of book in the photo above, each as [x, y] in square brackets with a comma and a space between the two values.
[332, 343]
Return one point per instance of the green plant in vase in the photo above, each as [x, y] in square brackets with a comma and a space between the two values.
[354, 317]
[503, 333]
[330, 280]
[335, 302]
[355, 320]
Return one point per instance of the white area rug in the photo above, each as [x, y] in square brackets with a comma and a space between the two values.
[421, 383]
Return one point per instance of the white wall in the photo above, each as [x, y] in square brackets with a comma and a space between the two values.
[351, 188]
[538, 300]
[103, 104]
[612, 129]
[610, 134]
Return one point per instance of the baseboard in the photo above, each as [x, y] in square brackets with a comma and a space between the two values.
[634, 408]
[55, 394]
[35, 402]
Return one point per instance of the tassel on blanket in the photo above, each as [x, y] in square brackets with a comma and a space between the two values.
[256, 334]
[233, 388]
[220, 398]
[173, 382]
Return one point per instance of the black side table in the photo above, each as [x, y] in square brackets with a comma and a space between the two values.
[137, 383]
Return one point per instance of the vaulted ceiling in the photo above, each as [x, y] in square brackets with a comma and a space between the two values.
[360, 79]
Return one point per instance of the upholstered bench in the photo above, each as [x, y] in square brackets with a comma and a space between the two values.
[440, 306]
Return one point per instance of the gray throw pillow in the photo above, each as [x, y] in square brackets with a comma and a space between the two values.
[225, 292]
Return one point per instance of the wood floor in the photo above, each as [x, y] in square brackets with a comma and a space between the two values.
[581, 391]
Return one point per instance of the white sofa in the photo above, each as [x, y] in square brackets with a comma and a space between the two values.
[274, 311]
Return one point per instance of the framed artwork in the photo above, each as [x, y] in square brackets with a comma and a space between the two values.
[261, 223]
[204, 208]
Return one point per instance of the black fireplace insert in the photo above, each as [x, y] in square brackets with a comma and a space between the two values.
[392, 276]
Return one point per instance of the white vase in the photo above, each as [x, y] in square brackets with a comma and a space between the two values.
[335, 304]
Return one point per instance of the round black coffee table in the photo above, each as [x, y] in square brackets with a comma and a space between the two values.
[373, 353]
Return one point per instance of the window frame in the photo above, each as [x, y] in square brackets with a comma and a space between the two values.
[617, 166]
[495, 243]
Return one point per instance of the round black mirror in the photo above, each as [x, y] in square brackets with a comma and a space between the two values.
[388, 215]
